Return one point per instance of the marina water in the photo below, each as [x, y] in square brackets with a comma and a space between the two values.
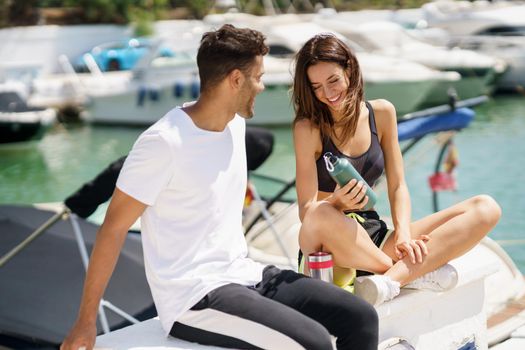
[491, 156]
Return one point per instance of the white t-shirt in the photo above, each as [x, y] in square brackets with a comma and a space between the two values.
[193, 182]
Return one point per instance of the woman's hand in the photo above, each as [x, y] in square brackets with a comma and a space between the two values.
[416, 249]
[351, 196]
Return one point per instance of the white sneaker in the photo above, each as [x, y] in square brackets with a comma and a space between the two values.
[376, 289]
[439, 280]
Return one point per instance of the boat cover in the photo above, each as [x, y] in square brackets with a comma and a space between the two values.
[418, 127]
[11, 101]
[41, 286]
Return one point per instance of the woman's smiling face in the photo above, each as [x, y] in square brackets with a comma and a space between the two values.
[329, 83]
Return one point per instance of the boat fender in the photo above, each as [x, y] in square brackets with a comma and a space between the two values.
[195, 89]
[178, 89]
[141, 95]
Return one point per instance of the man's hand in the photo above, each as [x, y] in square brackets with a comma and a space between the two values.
[81, 336]
[122, 212]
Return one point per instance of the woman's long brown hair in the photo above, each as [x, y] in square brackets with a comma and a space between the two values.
[327, 48]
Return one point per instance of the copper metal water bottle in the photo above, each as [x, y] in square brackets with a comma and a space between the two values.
[321, 266]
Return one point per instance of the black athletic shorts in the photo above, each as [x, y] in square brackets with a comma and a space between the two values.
[373, 225]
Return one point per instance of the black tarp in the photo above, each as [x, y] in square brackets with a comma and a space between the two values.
[40, 288]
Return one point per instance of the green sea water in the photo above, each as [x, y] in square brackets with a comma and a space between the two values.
[491, 151]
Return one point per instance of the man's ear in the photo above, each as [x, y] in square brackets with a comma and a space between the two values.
[236, 79]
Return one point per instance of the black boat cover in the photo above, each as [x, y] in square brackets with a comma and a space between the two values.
[40, 288]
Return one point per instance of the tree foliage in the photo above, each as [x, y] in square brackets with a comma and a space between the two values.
[143, 12]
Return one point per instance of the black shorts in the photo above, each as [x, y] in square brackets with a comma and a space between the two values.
[373, 225]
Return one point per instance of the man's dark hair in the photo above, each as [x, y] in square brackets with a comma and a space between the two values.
[228, 48]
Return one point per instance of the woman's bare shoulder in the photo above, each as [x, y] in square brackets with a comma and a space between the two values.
[383, 107]
[305, 127]
[384, 111]
[307, 137]
[385, 116]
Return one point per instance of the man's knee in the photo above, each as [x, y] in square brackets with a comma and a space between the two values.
[360, 320]
[367, 328]
[370, 322]
[316, 337]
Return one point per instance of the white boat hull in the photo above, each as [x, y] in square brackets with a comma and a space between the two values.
[272, 107]
[425, 320]
[126, 108]
[466, 87]
[405, 96]
[129, 108]
[514, 78]
[509, 49]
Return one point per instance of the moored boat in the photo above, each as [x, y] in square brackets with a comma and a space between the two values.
[20, 122]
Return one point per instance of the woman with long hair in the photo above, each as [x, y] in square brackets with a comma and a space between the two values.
[332, 115]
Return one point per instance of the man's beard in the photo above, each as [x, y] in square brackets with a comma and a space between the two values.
[248, 111]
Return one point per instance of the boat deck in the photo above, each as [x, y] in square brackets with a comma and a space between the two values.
[512, 317]
[516, 341]
[429, 325]
[513, 309]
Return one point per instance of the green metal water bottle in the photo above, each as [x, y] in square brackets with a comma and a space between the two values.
[342, 171]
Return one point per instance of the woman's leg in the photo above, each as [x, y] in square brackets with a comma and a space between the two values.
[453, 232]
[326, 229]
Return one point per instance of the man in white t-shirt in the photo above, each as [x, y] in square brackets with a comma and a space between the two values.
[186, 178]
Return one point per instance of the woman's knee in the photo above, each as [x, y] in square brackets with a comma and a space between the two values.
[318, 211]
[318, 219]
[488, 211]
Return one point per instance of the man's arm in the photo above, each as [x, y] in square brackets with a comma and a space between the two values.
[122, 212]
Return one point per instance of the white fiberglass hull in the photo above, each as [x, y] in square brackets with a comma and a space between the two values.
[425, 320]
[143, 106]
[514, 77]
[489, 281]
[125, 108]
[466, 87]
[406, 96]
[509, 49]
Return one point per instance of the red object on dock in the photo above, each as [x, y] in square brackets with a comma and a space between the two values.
[442, 181]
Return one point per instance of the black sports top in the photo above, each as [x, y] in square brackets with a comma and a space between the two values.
[369, 164]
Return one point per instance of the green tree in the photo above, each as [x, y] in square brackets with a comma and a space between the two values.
[198, 8]
[19, 12]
